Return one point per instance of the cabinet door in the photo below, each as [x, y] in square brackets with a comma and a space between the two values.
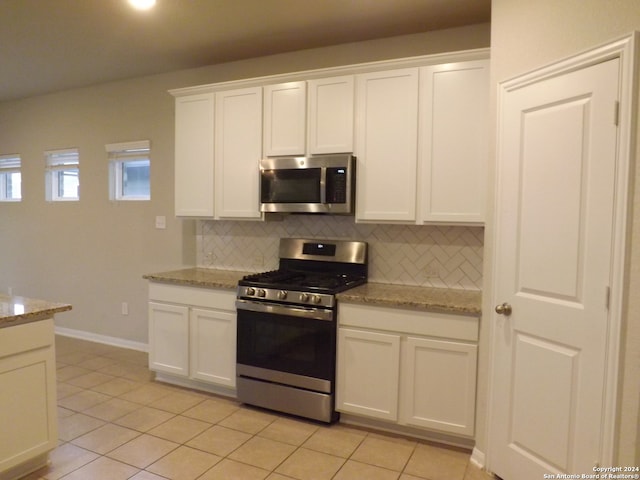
[386, 145]
[330, 115]
[169, 338]
[238, 148]
[213, 346]
[438, 385]
[194, 156]
[27, 394]
[454, 141]
[284, 119]
[368, 373]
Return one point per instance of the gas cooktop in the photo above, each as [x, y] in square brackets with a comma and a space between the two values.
[311, 272]
[329, 282]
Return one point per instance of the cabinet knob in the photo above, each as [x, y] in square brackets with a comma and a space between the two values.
[504, 309]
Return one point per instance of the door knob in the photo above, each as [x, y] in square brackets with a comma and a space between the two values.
[504, 309]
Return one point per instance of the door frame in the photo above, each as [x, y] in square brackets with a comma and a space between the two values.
[626, 50]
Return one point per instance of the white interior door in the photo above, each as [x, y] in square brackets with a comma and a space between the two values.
[557, 154]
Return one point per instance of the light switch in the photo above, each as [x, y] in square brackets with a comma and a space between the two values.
[161, 222]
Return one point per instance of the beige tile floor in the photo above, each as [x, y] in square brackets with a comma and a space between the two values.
[116, 423]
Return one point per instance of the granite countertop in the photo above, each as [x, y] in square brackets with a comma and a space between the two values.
[443, 300]
[16, 310]
[199, 277]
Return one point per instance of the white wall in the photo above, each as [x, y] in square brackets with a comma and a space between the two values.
[529, 34]
[93, 253]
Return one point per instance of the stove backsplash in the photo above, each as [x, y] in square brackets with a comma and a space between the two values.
[433, 256]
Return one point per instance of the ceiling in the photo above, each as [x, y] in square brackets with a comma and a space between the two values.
[51, 45]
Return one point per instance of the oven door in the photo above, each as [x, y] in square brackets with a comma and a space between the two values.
[288, 345]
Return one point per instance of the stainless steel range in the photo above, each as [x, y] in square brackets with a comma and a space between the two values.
[287, 326]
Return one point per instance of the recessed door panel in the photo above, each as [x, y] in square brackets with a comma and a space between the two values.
[554, 187]
[542, 414]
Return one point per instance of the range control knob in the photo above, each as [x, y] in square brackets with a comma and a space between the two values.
[304, 297]
[262, 293]
[316, 299]
[282, 294]
[251, 291]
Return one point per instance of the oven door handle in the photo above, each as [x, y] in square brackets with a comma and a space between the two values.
[293, 311]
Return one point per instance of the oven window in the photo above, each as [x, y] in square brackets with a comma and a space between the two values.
[300, 185]
[287, 344]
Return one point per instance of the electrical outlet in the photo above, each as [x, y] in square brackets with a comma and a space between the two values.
[125, 308]
[258, 260]
[209, 258]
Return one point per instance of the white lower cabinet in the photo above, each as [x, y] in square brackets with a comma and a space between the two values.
[368, 373]
[169, 338]
[28, 412]
[192, 333]
[408, 367]
[438, 385]
[213, 346]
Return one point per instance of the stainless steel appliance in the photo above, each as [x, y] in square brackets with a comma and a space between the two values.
[319, 184]
[287, 326]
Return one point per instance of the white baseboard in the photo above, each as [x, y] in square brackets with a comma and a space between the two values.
[94, 337]
[477, 458]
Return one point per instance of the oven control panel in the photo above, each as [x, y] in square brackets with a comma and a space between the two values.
[287, 296]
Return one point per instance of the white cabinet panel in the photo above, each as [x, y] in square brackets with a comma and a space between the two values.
[368, 373]
[213, 346]
[194, 155]
[169, 338]
[438, 385]
[28, 412]
[330, 115]
[454, 141]
[386, 145]
[285, 107]
[238, 148]
[192, 334]
[393, 364]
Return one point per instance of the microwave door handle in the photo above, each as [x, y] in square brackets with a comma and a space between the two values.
[323, 185]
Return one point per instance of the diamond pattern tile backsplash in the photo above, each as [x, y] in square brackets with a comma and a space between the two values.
[434, 256]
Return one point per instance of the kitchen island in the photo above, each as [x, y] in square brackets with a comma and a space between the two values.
[28, 412]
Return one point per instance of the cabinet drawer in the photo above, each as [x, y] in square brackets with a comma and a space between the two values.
[196, 296]
[412, 322]
[25, 337]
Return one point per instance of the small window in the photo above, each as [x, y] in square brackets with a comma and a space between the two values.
[10, 178]
[62, 175]
[129, 169]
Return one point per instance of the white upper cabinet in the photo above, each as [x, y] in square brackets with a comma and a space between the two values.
[330, 115]
[417, 128]
[386, 145]
[194, 155]
[285, 107]
[238, 148]
[453, 134]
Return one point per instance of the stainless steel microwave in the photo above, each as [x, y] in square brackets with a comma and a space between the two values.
[317, 184]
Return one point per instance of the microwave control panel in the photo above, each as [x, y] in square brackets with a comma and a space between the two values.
[337, 185]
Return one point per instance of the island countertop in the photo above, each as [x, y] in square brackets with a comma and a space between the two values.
[16, 310]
